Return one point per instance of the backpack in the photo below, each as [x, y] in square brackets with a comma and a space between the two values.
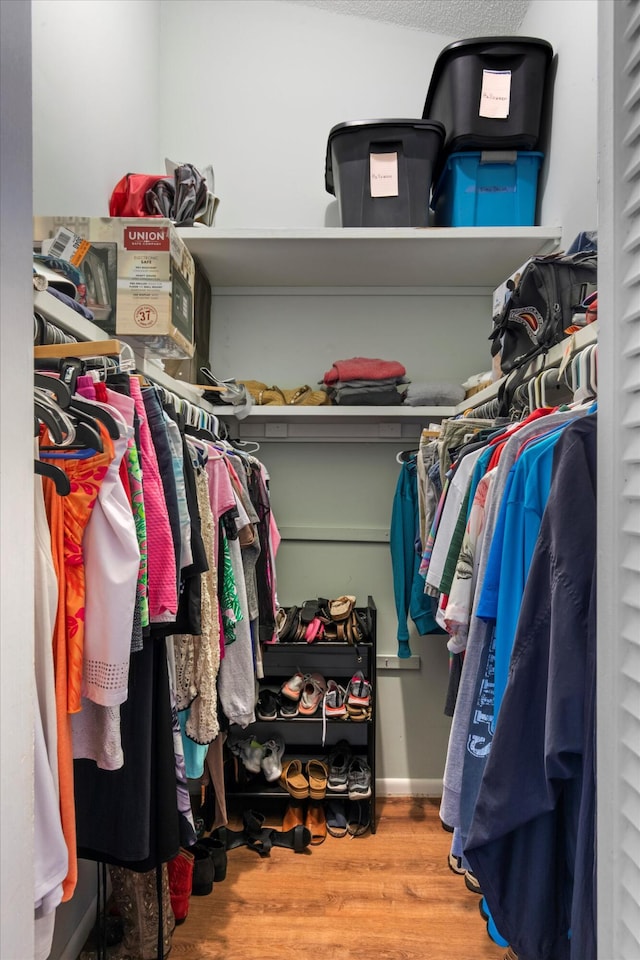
[541, 305]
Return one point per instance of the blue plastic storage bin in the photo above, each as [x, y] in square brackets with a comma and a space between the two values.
[487, 189]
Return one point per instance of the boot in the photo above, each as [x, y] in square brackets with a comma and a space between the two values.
[136, 897]
[180, 871]
[203, 870]
[218, 854]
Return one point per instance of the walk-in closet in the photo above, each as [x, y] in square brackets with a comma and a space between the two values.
[311, 766]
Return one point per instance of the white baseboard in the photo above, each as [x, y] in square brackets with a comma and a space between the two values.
[399, 787]
[78, 938]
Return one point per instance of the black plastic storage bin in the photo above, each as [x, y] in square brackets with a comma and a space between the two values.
[411, 148]
[503, 75]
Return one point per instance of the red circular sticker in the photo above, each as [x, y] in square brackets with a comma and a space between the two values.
[145, 315]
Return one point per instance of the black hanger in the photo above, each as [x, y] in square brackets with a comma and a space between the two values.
[59, 477]
[86, 412]
[200, 433]
[47, 416]
[88, 436]
[54, 385]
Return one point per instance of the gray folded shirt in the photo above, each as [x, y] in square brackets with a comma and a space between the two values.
[436, 394]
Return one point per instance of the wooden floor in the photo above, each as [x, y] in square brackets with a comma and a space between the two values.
[390, 896]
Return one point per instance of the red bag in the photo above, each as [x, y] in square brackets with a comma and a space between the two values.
[128, 197]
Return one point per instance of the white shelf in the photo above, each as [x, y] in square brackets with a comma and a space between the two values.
[367, 257]
[338, 412]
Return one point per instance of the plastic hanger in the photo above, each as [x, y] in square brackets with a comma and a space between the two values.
[55, 386]
[553, 390]
[45, 414]
[245, 446]
[60, 424]
[83, 409]
[593, 370]
[59, 477]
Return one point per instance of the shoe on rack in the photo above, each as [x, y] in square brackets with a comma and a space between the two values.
[316, 823]
[334, 703]
[267, 705]
[293, 779]
[359, 691]
[359, 780]
[358, 714]
[339, 762]
[317, 775]
[288, 708]
[271, 763]
[292, 688]
[358, 817]
[312, 693]
[336, 818]
[293, 815]
[250, 753]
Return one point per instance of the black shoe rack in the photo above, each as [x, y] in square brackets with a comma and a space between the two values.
[302, 736]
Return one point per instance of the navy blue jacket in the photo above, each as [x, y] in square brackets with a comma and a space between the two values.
[532, 837]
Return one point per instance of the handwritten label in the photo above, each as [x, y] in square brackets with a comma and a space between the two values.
[383, 174]
[495, 98]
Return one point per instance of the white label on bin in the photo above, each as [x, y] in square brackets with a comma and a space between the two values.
[383, 174]
[496, 94]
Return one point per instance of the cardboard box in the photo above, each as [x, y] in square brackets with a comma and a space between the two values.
[139, 276]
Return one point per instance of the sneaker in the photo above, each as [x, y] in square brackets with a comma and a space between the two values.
[339, 762]
[359, 780]
[293, 687]
[455, 864]
[271, 763]
[334, 704]
[312, 693]
[288, 708]
[267, 706]
[250, 752]
[472, 883]
[359, 691]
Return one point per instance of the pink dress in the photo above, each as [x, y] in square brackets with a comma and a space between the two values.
[163, 590]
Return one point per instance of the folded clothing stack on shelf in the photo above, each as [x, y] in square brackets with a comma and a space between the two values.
[362, 381]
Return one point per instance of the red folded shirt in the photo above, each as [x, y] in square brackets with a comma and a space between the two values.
[363, 368]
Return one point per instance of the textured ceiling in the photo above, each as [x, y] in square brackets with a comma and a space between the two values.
[453, 18]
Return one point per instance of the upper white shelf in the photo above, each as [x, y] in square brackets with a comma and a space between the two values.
[368, 256]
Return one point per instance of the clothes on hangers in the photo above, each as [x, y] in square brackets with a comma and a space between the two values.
[136, 553]
[538, 824]
[504, 501]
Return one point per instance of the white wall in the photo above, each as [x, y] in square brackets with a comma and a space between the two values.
[569, 179]
[260, 85]
[16, 485]
[96, 100]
